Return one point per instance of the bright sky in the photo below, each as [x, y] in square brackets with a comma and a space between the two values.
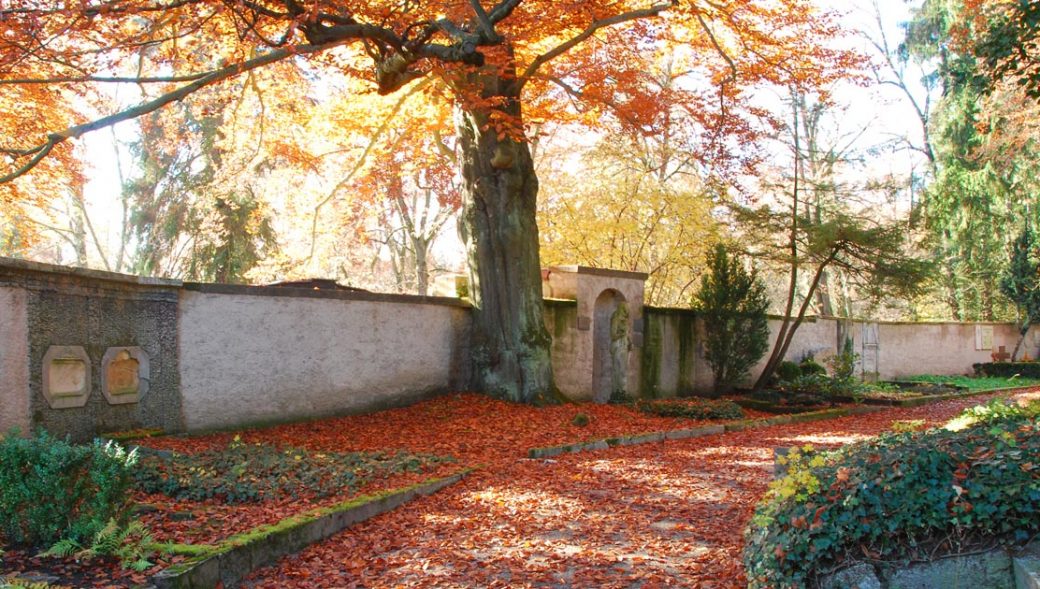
[881, 111]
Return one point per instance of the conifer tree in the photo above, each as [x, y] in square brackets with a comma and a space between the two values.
[733, 302]
[1021, 283]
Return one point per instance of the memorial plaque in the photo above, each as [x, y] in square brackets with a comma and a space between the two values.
[125, 373]
[983, 337]
[66, 377]
[122, 375]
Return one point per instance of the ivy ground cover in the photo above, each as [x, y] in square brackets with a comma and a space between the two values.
[654, 515]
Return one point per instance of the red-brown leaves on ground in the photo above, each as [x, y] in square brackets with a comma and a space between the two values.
[654, 515]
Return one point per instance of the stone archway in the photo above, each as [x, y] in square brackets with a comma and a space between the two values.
[611, 342]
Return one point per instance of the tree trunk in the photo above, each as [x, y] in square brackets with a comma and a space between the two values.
[422, 272]
[510, 344]
[1022, 331]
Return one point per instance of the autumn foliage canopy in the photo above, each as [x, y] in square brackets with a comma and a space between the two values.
[571, 59]
[503, 69]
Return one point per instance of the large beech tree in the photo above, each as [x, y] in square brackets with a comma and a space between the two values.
[506, 62]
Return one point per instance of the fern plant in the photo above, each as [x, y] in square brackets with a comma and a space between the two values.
[131, 544]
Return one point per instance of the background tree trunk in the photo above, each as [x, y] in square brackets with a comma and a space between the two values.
[510, 343]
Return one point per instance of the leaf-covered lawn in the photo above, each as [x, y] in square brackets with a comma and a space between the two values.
[654, 515]
[668, 514]
[473, 429]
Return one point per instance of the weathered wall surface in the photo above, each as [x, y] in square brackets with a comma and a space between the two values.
[673, 355]
[14, 360]
[944, 348]
[561, 319]
[218, 356]
[256, 355]
[97, 311]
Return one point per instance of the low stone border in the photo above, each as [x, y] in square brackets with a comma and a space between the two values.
[697, 432]
[918, 401]
[993, 569]
[739, 426]
[233, 559]
[775, 408]
[677, 434]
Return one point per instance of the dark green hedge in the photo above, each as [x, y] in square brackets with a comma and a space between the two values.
[1008, 369]
[693, 408]
[896, 496]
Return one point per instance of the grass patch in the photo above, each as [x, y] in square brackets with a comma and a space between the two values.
[975, 383]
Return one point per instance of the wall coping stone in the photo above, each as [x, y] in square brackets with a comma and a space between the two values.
[12, 265]
[347, 295]
[575, 269]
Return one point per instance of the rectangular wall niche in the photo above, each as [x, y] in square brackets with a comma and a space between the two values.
[125, 375]
[983, 337]
[66, 377]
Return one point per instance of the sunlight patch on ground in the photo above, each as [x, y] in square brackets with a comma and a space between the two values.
[515, 501]
[657, 477]
[827, 439]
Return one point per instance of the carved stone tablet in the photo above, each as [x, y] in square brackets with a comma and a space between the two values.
[66, 377]
[124, 375]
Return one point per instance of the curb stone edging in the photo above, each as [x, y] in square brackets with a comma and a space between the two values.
[918, 401]
[234, 558]
[737, 426]
[604, 444]
[697, 432]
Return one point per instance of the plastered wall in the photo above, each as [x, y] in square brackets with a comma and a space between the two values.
[248, 357]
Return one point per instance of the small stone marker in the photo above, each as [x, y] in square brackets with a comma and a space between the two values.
[1001, 355]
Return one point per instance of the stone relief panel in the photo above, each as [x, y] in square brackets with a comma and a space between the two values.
[124, 375]
[66, 377]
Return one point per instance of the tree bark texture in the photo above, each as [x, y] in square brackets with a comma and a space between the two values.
[510, 344]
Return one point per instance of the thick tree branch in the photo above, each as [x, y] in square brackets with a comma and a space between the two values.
[586, 34]
[503, 10]
[106, 79]
[487, 28]
[213, 77]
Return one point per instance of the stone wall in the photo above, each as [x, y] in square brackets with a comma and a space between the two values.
[253, 355]
[85, 352]
[596, 350]
[62, 329]
[673, 356]
[14, 360]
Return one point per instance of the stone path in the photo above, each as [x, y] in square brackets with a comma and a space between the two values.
[666, 514]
